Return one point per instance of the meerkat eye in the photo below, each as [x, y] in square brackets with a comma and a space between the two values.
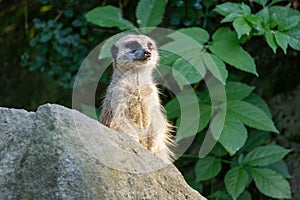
[150, 46]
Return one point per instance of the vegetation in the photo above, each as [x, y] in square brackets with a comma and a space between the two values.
[245, 163]
[58, 48]
[240, 153]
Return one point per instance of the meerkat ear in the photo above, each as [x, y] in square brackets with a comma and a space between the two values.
[114, 51]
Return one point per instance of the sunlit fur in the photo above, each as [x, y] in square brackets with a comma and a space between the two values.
[131, 104]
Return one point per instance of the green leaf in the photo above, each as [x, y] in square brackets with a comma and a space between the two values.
[265, 155]
[258, 102]
[173, 108]
[270, 37]
[255, 139]
[291, 21]
[237, 57]
[236, 180]
[205, 114]
[285, 17]
[190, 53]
[241, 27]
[245, 196]
[219, 150]
[256, 23]
[277, 1]
[185, 73]
[186, 107]
[281, 168]
[188, 129]
[261, 2]
[294, 37]
[217, 123]
[246, 10]
[108, 16]
[207, 168]
[282, 40]
[216, 66]
[225, 41]
[227, 8]
[197, 186]
[231, 17]
[237, 90]
[233, 136]
[150, 13]
[167, 58]
[250, 115]
[220, 195]
[233, 11]
[225, 33]
[270, 183]
[198, 34]
[264, 15]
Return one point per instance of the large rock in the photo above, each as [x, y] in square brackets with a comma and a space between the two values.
[59, 153]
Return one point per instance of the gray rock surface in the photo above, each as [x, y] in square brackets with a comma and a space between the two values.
[59, 153]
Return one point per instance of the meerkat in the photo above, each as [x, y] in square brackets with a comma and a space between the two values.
[131, 104]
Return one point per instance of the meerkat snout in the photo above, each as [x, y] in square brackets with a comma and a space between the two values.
[142, 55]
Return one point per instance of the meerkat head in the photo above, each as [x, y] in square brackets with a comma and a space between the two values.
[134, 51]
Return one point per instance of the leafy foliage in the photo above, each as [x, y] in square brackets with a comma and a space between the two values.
[108, 16]
[270, 183]
[225, 41]
[147, 9]
[236, 181]
[279, 24]
[263, 156]
[57, 47]
[244, 109]
[207, 168]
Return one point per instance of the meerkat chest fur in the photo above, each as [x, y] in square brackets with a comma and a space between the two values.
[142, 98]
[131, 104]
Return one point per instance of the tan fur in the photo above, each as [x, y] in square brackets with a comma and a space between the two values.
[131, 104]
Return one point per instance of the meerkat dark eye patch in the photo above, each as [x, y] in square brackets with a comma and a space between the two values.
[134, 45]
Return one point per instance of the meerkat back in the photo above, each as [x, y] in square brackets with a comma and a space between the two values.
[131, 104]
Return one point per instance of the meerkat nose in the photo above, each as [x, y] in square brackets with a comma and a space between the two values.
[142, 55]
[147, 54]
